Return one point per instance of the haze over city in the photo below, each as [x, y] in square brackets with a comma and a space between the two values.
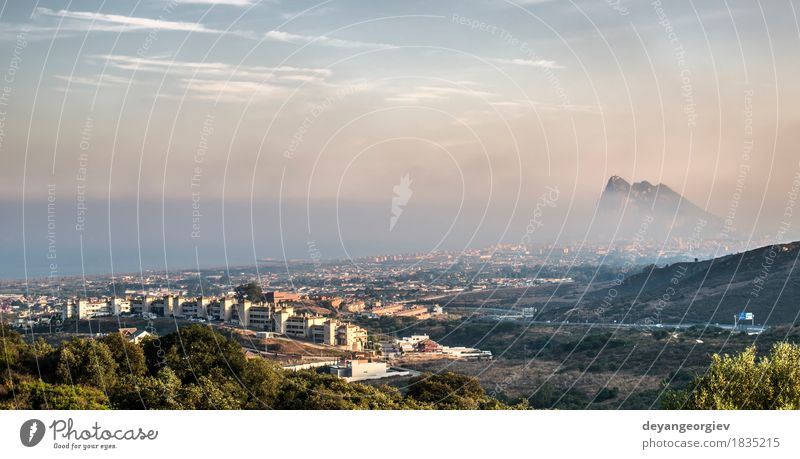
[160, 135]
[273, 207]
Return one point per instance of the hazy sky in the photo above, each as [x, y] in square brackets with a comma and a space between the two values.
[284, 124]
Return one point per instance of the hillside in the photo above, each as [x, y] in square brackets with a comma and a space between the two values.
[763, 281]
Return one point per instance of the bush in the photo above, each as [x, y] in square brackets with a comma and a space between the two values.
[193, 351]
[87, 362]
[660, 334]
[606, 394]
[129, 356]
[39, 395]
[451, 391]
[743, 382]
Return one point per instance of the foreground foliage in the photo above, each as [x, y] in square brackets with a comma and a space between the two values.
[745, 382]
[198, 368]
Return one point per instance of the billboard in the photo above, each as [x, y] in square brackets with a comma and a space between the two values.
[746, 316]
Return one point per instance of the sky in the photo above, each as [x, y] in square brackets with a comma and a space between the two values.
[172, 134]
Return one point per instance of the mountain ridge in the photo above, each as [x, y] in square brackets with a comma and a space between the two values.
[624, 208]
[765, 281]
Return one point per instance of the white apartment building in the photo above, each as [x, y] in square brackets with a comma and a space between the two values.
[258, 316]
[88, 308]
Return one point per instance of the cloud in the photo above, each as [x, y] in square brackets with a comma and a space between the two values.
[540, 63]
[506, 103]
[318, 11]
[449, 90]
[217, 2]
[94, 80]
[86, 21]
[413, 97]
[218, 80]
[286, 37]
[231, 91]
[215, 69]
[89, 83]
[499, 101]
[91, 21]
[421, 93]
[556, 107]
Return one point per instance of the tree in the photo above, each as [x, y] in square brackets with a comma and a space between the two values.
[129, 356]
[250, 291]
[307, 390]
[220, 392]
[88, 362]
[262, 380]
[40, 359]
[194, 351]
[11, 346]
[451, 391]
[744, 382]
[161, 392]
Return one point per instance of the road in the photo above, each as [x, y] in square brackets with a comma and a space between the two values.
[509, 315]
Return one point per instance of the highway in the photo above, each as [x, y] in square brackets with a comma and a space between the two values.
[497, 314]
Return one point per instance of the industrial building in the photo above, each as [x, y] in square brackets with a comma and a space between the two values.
[361, 370]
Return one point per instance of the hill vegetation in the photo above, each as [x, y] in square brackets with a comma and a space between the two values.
[198, 368]
[745, 382]
[765, 281]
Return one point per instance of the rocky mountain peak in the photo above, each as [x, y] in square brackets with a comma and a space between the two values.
[617, 184]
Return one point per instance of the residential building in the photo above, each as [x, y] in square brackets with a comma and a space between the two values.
[260, 317]
[267, 317]
[88, 308]
[281, 316]
[281, 297]
[352, 337]
[388, 310]
[222, 308]
[302, 326]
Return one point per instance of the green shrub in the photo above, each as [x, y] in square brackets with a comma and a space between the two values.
[744, 382]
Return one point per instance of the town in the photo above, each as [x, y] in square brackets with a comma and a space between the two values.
[274, 316]
[390, 278]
